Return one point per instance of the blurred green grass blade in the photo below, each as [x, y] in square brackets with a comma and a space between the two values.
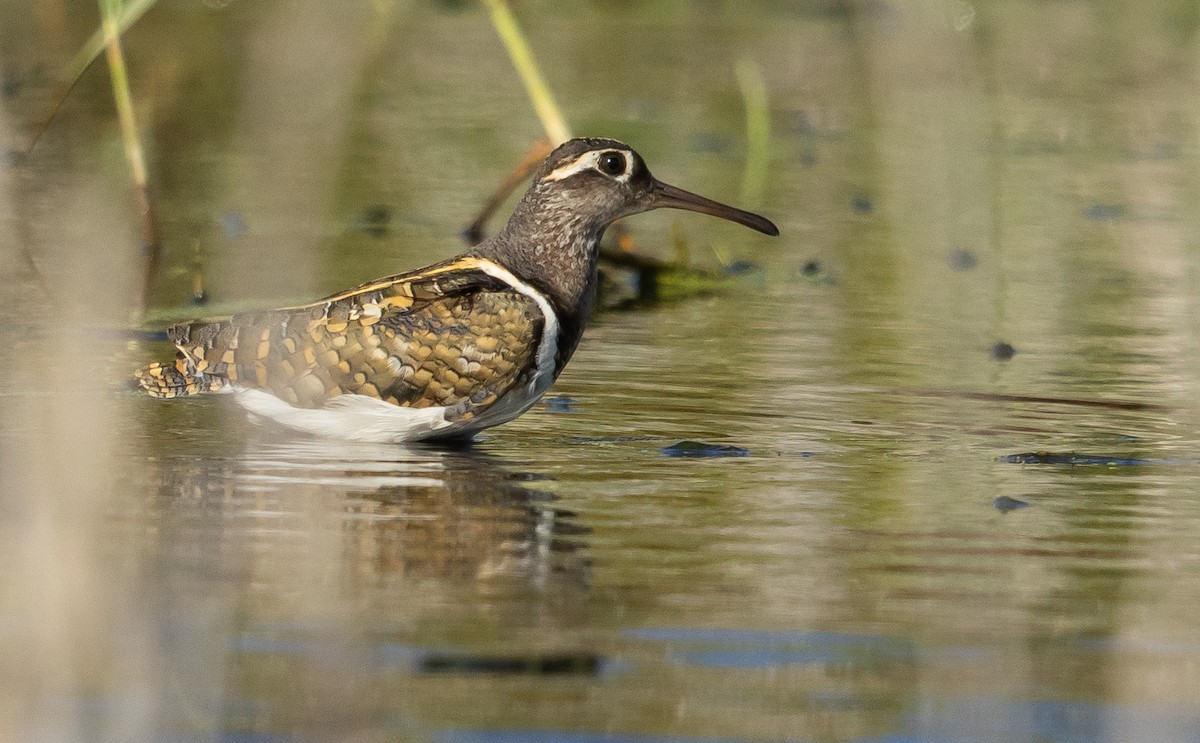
[127, 14]
[535, 85]
[758, 130]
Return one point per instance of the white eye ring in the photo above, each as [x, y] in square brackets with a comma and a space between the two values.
[591, 161]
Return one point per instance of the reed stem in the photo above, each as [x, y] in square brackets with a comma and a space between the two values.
[535, 85]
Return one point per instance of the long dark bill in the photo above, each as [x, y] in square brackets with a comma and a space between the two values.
[667, 196]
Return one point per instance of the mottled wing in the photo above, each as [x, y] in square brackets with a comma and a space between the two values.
[452, 335]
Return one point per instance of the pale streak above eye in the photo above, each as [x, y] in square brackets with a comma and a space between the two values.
[590, 161]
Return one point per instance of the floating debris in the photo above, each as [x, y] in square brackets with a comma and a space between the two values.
[962, 259]
[700, 449]
[629, 279]
[1104, 212]
[553, 664]
[1050, 457]
[560, 404]
[1002, 351]
[814, 272]
[374, 221]
[741, 268]
[529, 477]
[1004, 504]
[1044, 400]
[612, 439]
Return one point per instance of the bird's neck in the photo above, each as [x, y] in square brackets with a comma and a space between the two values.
[553, 249]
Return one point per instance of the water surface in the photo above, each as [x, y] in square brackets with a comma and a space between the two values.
[964, 380]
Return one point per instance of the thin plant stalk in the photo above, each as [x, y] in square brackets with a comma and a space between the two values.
[535, 85]
[110, 11]
[758, 129]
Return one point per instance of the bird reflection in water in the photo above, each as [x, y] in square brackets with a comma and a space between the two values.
[374, 543]
[467, 517]
[400, 512]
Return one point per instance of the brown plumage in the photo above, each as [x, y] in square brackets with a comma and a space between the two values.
[442, 351]
[449, 335]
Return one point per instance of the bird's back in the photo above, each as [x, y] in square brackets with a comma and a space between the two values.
[455, 336]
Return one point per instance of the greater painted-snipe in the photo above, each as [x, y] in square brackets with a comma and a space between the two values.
[445, 351]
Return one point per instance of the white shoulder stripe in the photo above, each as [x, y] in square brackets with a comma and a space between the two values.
[548, 348]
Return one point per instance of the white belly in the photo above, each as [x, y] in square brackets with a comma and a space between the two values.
[362, 418]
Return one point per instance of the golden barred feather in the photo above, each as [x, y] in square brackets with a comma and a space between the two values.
[451, 335]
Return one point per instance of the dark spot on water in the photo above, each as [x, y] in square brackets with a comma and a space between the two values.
[813, 271]
[808, 158]
[1072, 458]
[1002, 351]
[560, 404]
[375, 220]
[741, 268]
[233, 224]
[612, 439]
[700, 449]
[1004, 504]
[199, 299]
[528, 477]
[552, 664]
[1034, 457]
[1104, 212]
[962, 260]
[801, 125]
[9, 87]
[861, 205]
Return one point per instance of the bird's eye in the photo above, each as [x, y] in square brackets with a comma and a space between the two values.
[612, 163]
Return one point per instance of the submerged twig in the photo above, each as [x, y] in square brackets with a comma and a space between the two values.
[473, 233]
[110, 11]
[199, 296]
[535, 85]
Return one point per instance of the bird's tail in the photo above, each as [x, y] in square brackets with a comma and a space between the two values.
[175, 379]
